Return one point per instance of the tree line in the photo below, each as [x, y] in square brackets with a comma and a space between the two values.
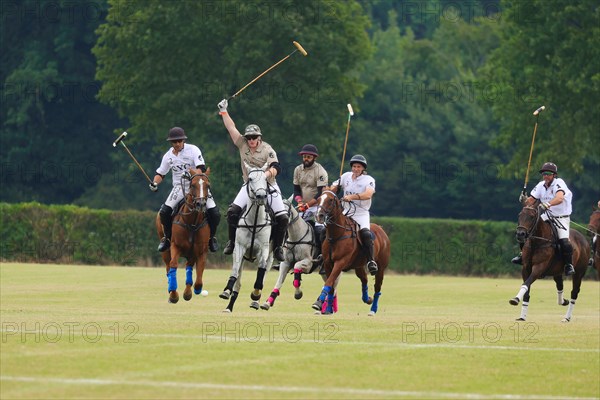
[443, 94]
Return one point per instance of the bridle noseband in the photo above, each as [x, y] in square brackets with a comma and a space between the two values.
[524, 233]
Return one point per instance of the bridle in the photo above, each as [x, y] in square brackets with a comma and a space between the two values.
[325, 215]
[195, 202]
[524, 233]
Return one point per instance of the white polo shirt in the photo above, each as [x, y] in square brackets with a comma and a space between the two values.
[545, 194]
[189, 157]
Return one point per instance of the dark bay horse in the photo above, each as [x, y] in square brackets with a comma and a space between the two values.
[189, 237]
[343, 252]
[594, 231]
[541, 257]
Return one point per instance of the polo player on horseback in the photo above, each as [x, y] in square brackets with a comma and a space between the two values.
[255, 153]
[555, 198]
[358, 190]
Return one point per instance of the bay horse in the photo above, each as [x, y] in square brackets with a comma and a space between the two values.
[343, 252]
[189, 236]
[593, 230]
[541, 257]
[299, 250]
[251, 240]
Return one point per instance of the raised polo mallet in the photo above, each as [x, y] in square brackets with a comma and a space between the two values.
[350, 114]
[298, 48]
[537, 115]
[120, 140]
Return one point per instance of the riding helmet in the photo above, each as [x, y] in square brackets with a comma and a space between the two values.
[359, 158]
[309, 149]
[252, 130]
[176, 133]
[548, 166]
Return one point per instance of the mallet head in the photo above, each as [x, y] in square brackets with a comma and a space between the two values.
[350, 110]
[539, 110]
[300, 48]
[116, 142]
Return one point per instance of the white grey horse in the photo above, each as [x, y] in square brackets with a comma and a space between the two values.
[300, 251]
[251, 240]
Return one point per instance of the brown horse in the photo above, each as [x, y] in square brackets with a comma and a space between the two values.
[541, 257]
[189, 237]
[343, 252]
[594, 231]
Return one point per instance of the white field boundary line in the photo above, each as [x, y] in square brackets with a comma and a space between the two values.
[233, 338]
[284, 389]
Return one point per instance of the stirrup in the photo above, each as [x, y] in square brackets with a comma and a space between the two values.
[569, 270]
[213, 245]
[372, 267]
[229, 247]
[518, 259]
[164, 244]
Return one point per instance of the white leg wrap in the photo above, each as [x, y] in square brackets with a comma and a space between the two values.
[524, 309]
[569, 313]
[560, 297]
[522, 292]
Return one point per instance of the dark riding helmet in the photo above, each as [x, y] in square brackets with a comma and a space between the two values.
[176, 133]
[252, 130]
[309, 149]
[359, 158]
[548, 166]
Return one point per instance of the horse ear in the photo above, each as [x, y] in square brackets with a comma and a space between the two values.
[291, 198]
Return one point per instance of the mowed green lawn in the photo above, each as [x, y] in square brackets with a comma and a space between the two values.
[108, 332]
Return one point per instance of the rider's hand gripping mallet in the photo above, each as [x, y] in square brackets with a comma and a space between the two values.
[298, 48]
[350, 114]
[536, 113]
[120, 140]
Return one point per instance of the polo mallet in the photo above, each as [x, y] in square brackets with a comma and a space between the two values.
[120, 140]
[537, 115]
[350, 114]
[298, 48]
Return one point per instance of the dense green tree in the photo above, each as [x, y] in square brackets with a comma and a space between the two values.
[51, 124]
[167, 64]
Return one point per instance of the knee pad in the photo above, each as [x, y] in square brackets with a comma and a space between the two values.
[233, 214]
[213, 214]
[282, 219]
[165, 210]
[566, 246]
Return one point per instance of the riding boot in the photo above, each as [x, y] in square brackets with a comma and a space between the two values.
[166, 219]
[365, 236]
[280, 228]
[213, 217]
[518, 259]
[567, 255]
[233, 217]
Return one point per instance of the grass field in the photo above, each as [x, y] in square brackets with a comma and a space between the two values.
[108, 332]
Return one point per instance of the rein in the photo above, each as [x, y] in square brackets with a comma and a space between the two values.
[332, 216]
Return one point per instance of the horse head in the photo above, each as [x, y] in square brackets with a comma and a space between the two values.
[594, 224]
[257, 185]
[329, 206]
[528, 221]
[198, 191]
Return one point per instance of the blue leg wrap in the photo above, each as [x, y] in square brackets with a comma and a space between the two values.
[325, 292]
[198, 291]
[365, 293]
[172, 279]
[188, 275]
[375, 302]
[330, 302]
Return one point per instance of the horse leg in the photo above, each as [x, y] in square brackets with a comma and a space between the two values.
[558, 279]
[172, 288]
[362, 275]
[525, 306]
[535, 273]
[577, 278]
[200, 264]
[377, 289]
[234, 296]
[327, 288]
[228, 288]
[187, 293]
[258, 286]
[284, 267]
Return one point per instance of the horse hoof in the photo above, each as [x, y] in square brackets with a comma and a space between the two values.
[317, 305]
[371, 314]
[565, 302]
[265, 306]
[369, 301]
[566, 320]
[226, 311]
[254, 305]
[298, 295]
[187, 295]
[255, 295]
[514, 301]
[173, 298]
[520, 319]
[198, 291]
[226, 294]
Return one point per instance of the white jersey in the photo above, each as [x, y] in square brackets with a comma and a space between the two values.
[360, 207]
[545, 194]
[189, 157]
